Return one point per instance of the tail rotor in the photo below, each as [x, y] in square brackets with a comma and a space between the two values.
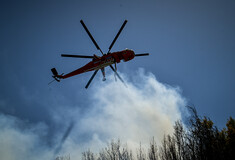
[55, 76]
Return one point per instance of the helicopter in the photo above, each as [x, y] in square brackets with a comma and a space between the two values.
[99, 62]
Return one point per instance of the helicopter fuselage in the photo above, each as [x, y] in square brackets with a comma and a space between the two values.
[102, 62]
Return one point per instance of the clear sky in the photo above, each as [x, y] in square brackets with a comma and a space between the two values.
[191, 46]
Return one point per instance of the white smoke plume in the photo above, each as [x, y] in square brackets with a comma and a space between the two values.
[133, 114]
[18, 142]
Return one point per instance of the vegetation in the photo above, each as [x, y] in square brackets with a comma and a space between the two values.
[200, 140]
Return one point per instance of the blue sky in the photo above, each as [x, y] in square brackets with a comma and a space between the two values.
[191, 45]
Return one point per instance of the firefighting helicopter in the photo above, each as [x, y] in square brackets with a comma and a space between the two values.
[99, 63]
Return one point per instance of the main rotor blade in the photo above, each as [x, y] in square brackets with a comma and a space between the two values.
[123, 25]
[76, 56]
[93, 75]
[93, 40]
[142, 54]
[117, 75]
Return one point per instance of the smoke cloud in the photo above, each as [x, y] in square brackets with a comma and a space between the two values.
[18, 142]
[133, 114]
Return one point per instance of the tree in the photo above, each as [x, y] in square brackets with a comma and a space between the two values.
[140, 154]
[153, 153]
[88, 155]
[199, 140]
[63, 157]
[181, 141]
[230, 138]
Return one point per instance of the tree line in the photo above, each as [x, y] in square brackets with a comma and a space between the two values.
[200, 139]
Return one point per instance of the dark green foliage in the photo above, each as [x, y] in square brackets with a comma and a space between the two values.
[199, 140]
[230, 138]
